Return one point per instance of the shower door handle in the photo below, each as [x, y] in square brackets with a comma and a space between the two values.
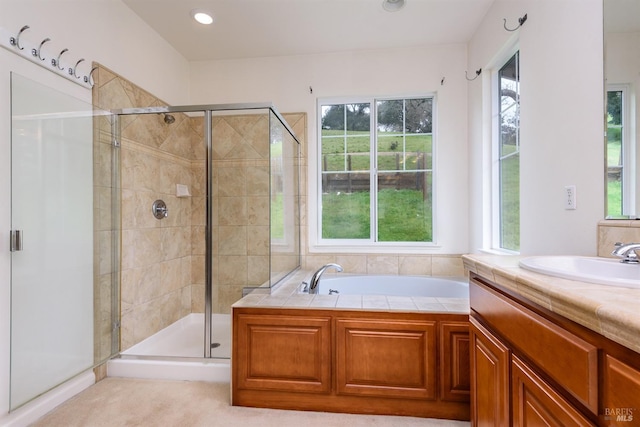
[15, 241]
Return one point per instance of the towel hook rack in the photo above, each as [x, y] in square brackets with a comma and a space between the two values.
[15, 41]
[72, 71]
[56, 62]
[88, 79]
[37, 52]
[478, 72]
[521, 21]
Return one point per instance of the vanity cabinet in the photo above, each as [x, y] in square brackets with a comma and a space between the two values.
[489, 378]
[530, 366]
[392, 363]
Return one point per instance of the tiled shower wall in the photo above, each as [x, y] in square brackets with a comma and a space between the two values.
[163, 261]
[159, 257]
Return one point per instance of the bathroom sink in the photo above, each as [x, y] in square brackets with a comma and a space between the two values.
[603, 271]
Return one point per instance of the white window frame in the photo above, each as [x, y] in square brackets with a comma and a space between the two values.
[495, 98]
[628, 150]
[319, 244]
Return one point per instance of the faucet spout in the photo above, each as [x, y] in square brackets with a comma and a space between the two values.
[315, 279]
[627, 251]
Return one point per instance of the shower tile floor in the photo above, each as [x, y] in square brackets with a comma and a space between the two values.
[185, 338]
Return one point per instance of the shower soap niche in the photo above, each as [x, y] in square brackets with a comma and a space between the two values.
[182, 190]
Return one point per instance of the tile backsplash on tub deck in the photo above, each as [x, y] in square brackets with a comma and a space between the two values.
[618, 230]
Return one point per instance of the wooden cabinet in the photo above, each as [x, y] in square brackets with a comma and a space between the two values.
[303, 346]
[536, 403]
[490, 378]
[621, 393]
[531, 367]
[455, 374]
[386, 358]
[389, 363]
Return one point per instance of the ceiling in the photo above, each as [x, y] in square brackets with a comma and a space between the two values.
[261, 28]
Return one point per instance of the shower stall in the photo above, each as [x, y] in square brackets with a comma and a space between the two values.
[208, 212]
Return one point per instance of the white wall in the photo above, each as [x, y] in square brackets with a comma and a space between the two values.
[561, 122]
[105, 31]
[285, 81]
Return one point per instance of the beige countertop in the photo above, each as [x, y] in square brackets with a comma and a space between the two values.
[610, 311]
[287, 295]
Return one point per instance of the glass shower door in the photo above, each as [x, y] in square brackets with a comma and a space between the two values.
[52, 239]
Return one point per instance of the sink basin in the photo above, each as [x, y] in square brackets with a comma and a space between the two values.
[603, 271]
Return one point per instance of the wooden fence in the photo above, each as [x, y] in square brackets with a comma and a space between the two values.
[353, 181]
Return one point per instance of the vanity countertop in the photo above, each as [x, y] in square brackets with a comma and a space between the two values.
[610, 311]
[286, 295]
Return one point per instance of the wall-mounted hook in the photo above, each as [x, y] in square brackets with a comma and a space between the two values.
[56, 62]
[88, 79]
[37, 52]
[478, 72]
[310, 90]
[15, 41]
[73, 71]
[442, 82]
[521, 21]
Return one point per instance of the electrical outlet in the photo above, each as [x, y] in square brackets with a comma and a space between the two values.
[570, 197]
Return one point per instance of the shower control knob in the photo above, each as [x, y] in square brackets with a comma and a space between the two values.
[159, 209]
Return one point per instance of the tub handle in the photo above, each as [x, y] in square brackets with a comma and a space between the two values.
[333, 291]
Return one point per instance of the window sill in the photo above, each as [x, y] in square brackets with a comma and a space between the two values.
[391, 248]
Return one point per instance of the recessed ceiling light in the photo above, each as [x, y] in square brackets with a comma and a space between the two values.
[202, 16]
[392, 5]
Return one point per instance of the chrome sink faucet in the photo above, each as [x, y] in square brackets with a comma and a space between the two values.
[627, 251]
[315, 279]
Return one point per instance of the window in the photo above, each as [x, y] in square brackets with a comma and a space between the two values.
[508, 155]
[620, 155]
[376, 163]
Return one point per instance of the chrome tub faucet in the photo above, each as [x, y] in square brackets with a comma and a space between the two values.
[315, 279]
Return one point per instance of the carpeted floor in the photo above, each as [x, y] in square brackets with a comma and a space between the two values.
[116, 402]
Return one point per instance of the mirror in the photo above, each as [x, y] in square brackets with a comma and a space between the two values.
[622, 83]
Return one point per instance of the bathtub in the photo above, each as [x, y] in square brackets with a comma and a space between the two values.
[414, 286]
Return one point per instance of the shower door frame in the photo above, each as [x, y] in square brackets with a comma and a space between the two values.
[207, 109]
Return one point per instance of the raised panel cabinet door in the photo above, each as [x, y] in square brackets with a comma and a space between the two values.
[535, 403]
[389, 358]
[620, 394]
[571, 361]
[489, 378]
[286, 353]
[455, 368]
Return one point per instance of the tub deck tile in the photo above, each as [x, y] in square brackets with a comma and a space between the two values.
[428, 306]
[401, 303]
[288, 295]
[325, 301]
[299, 301]
[349, 301]
[375, 302]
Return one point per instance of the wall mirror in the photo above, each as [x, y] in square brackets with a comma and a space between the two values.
[622, 84]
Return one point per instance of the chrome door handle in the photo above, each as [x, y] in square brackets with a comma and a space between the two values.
[15, 241]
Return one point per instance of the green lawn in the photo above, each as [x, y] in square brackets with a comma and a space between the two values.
[614, 186]
[403, 216]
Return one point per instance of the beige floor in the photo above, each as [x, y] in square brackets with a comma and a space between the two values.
[117, 402]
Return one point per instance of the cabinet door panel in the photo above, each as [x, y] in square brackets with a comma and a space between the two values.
[489, 378]
[386, 358]
[535, 403]
[566, 358]
[283, 353]
[455, 367]
[621, 393]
